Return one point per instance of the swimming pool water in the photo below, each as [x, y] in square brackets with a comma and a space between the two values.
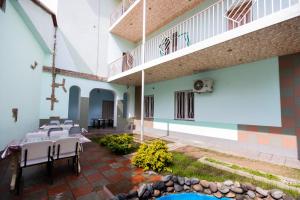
[190, 196]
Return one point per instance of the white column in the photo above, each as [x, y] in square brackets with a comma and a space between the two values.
[143, 73]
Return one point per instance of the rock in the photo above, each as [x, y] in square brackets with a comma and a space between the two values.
[180, 180]
[187, 181]
[198, 188]
[286, 197]
[178, 188]
[213, 187]
[240, 197]
[268, 198]
[230, 195]
[121, 196]
[244, 187]
[204, 183]
[186, 188]
[262, 192]
[194, 181]
[170, 189]
[156, 193]
[249, 186]
[207, 191]
[236, 190]
[175, 179]
[142, 190]
[276, 194]
[251, 194]
[166, 178]
[146, 195]
[237, 184]
[219, 195]
[223, 189]
[169, 183]
[228, 183]
[132, 193]
[160, 185]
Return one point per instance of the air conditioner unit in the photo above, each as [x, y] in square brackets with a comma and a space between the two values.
[203, 86]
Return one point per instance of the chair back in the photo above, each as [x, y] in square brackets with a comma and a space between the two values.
[54, 129]
[54, 122]
[66, 147]
[75, 130]
[36, 152]
[58, 134]
[36, 135]
[68, 122]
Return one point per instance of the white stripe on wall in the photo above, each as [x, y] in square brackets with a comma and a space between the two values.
[229, 134]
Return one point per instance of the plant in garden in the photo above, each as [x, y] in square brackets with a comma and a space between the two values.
[119, 144]
[153, 156]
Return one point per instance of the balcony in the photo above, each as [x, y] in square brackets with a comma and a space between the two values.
[240, 22]
[126, 20]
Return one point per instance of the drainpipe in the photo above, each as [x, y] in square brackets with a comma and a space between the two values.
[143, 72]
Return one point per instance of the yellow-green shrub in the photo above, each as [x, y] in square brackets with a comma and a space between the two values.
[153, 156]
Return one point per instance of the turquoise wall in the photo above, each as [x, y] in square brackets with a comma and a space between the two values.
[243, 94]
[86, 86]
[20, 85]
[96, 99]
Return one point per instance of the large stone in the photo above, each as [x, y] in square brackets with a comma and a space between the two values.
[207, 191]
[237, 184]
[219, 195]
[169, 183]
[166, 178]
[175, 179]
[186, 188]
[160, 185]
[156, 193]
[240, 197]
[251, 194]
[170, 189]
[276, 194]
[178, 188]
[249, 186]
[198, 188]
[142, 190]
[194, 181]
[181, 180]
[230, 195]
[228, 183]
[223, 189]
[187, 181]
[262, 192]
[213, 187]
[204, 183]
[287, 197]
[236, 190]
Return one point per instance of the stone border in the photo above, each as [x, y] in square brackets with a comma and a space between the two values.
[248, 175]
[171, 184]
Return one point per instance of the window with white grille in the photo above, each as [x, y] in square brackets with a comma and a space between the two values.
[184, 105]
[149, 106]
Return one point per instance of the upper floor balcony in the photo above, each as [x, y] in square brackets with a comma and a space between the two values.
[126, 21]
[226, 33]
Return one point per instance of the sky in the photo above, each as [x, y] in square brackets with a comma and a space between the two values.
[51, 4]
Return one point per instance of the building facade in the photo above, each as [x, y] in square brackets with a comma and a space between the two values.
[145, 56]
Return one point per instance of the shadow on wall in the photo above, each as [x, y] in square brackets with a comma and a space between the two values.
[74, 103]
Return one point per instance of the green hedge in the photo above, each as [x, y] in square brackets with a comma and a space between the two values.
[118, 144]
[153, 156]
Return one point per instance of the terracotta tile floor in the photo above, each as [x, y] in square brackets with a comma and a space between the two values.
[101, 170]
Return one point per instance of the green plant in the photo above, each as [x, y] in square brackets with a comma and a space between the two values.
[153, 156]
[119, 144]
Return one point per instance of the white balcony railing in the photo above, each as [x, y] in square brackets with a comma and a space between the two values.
[121, 9]
[216, 19]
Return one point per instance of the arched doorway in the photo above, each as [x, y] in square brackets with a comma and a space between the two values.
[101, 109]
[74, 106]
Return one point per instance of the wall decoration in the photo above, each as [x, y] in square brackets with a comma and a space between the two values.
[15, 114]
[54, 84]
[34, 65]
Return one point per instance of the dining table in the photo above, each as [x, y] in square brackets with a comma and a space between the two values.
[13, 150]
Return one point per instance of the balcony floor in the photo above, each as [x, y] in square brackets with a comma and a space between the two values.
[276, 40]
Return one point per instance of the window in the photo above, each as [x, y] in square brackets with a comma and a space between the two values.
[149, 106]
[184, 105]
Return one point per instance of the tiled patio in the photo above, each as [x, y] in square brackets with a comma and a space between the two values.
[101, 171]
